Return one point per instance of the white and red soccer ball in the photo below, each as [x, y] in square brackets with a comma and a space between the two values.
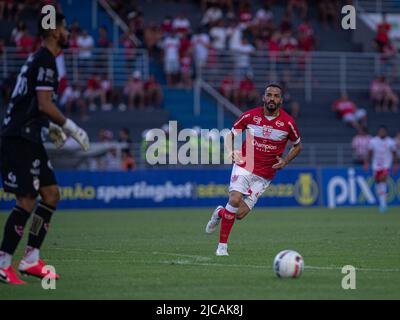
[288, 264]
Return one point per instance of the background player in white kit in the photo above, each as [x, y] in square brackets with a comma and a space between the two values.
[382, 152]
[269, 128]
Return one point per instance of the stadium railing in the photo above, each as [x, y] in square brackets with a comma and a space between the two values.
[223, 104]
[118, 23]
[309, 71]
[116, 63]
[378, 6]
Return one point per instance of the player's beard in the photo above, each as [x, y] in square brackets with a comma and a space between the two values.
[272, 106]
[63, 43]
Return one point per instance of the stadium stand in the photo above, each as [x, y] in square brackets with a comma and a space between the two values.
[315, 80]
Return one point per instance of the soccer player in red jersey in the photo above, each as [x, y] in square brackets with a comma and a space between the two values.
[382, 155]
[268, 130]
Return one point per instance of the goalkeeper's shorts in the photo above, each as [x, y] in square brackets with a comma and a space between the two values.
[25, 167]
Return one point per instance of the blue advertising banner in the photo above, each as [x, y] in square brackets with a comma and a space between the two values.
[355, 187]
[173, 188]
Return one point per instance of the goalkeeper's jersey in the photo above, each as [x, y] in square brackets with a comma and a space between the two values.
[23, 117]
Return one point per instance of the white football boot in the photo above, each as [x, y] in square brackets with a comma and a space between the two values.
[214, 221]
[222, 250]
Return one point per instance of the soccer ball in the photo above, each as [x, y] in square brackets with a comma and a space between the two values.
[288, 264]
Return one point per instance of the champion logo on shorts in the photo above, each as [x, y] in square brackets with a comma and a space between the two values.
[234, 177]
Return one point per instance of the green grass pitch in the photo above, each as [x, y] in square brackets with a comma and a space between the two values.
[165, 254]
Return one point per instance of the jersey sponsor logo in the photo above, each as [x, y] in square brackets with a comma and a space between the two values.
[7, 120]
[12, 181]
[264, 147]
[45, 74]
[36, 163]
[11, 177]
[257, 119]
[306, 189]
[35, 170]
[279, 123]
[234, 178]
[49, 75]
[36, 183]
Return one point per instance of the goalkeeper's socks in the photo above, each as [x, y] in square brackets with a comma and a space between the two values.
[5, 260]
[13, 232]
[31, 255]
[40, 224]
[228, 219]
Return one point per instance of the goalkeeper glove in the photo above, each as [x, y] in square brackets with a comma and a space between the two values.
[77, 133]
[57, 135]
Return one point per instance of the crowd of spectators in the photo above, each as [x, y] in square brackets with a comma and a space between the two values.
[99, 94]
[360, 146]
[237, 27]
[347, 110]
[383, 97]
[119, 155]
[95, 91]
[386, 46]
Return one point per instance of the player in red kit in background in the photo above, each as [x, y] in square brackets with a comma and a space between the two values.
[382, 154]
[268, 129]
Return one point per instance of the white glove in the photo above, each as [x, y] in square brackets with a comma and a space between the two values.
[57, 135]
[77, 133]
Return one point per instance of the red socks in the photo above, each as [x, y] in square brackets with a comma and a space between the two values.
[228, 216]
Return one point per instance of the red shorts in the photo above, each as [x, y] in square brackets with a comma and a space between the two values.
[379, 174]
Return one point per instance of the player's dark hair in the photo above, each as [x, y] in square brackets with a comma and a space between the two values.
[126, 131]
[274, 85]
[46, 32]
[382, 126]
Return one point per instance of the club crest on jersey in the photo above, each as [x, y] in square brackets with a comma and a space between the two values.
[267, 130]
[257, 119]
[279, 123]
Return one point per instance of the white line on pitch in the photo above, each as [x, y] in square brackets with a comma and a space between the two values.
[204, 258]
[183, 255]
